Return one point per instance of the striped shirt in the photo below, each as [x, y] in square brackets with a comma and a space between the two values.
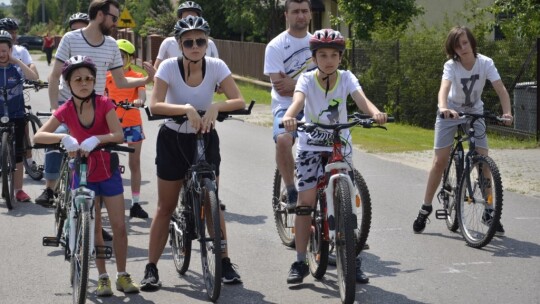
[106, 57]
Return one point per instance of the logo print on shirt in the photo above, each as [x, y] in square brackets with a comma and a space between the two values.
[468, 90]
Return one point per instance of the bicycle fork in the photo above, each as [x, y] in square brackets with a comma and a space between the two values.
[340, 170]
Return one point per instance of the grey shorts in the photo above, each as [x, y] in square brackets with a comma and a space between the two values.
[310, 167]
[445, 129]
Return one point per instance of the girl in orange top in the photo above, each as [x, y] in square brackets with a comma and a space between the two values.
[131, 122]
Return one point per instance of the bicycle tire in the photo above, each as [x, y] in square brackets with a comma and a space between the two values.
[363, 211]
[80, 257]
[35, 171]
[62, 200]
[7, 171]
[210, 235]
[449, 190]
[284, 221]
[318, 245]
[345, 242]
[180, 239]
[473, 206]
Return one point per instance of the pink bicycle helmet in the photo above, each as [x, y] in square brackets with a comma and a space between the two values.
[327, 38]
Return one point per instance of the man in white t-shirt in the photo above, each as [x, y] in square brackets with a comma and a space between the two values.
[169, 47]
[286, 57]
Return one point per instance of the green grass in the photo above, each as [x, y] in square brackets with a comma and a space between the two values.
[250, 92]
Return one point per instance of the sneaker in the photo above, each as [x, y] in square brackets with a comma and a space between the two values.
[361, 277]
[151, 278]
[486, 220]
[107, 237]
[420, 223]
[299, 270]
[21, 196]
[499, 231]
[228, 272]
[46, 199]
[33, 168]
[137, 211]
[104, 287]
[125, 283]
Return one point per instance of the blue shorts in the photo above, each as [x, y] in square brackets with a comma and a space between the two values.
[133, 134]
[277, 120]
[109, 187]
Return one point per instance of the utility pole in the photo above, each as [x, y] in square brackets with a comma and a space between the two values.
[43, 11]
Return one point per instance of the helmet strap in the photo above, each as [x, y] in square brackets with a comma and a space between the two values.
[189, 63]
[327, 78]
[83, 99]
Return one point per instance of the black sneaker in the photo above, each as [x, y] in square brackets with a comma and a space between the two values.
[137, 211]
[299, 270]
[107, 237]
[486, 220]
[361, 277]
[151, 278]
[499, 231]
[46, 199]
[228, 272]
[420, 223]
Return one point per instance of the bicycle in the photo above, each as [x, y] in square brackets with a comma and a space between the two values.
[35, 168]
[471, 192]
[340, 193]
[197, 215]
[75, 230]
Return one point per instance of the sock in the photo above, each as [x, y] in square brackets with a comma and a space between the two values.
[135, 198]
[119, 274]
[301, 257]
[104, 276]
[292, 193]
[427, 208]
[30, 160]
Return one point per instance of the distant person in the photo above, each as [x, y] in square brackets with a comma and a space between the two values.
[48, 47]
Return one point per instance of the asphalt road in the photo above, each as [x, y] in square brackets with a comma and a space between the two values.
[434, 267]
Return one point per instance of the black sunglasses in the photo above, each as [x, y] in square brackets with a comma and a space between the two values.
[189, 43]
[114, 17]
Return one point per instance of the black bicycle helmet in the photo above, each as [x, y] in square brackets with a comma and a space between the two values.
[327, 38]
[78, 17]
[76, 62]
[188, 6]
[191, 23]
[8, 24]
[5, 36]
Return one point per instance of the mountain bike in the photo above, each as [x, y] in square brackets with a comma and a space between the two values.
[197, 215]
[340, 193]
[77, 225]
[33, 168]
[471, 192]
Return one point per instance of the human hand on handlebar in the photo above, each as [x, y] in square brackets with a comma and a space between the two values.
[289, 123]
[209, 118]
[448, 113]
[70, 144]
[508, 119]
[380, 118]
[89, 144]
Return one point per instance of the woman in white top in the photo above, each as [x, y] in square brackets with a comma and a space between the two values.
[182, 86]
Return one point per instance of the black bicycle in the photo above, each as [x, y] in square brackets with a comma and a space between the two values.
[471, 190]
[197, 216]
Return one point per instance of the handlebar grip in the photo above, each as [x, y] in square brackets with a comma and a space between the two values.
[43, 113]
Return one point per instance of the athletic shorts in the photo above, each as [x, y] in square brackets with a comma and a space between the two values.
[175, 152]
[310, 168]
[445, 130]
[133, 134]
[109, 187]
[277, 120]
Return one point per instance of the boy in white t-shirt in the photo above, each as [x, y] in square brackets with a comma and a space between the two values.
[322, 94]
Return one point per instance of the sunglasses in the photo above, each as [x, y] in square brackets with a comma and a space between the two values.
[189, 43]
[85, 79]
[114, 17]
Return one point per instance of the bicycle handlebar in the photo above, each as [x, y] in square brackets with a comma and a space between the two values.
[105, 147]
[35, 84]
[179, 119]
[486, 114]
[364, 120]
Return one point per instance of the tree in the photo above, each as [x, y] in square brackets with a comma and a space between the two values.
[517, 18]
[365, 16]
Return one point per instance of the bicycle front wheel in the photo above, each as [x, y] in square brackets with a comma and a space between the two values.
[179, 239]
[211, 240]
[317, 253]
[481, 199]
[449, 191]
[363, 211]
[345, 242]
[35, 167]
[62, 200]
[80, 257]
[284, 220]
[8, 169]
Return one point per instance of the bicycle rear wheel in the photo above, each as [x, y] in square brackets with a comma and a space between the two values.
[449, 191]
[180, 239]
[363, 211]
[481, 199]
[211, 240]
[345, 242]
[63, 190]
[284, 220]
[317, 253]
[80, 257]
[8, 169]
[33, 169]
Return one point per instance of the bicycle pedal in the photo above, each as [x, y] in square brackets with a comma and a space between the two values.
[103, 252]
[441, 214]
[51, 241]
